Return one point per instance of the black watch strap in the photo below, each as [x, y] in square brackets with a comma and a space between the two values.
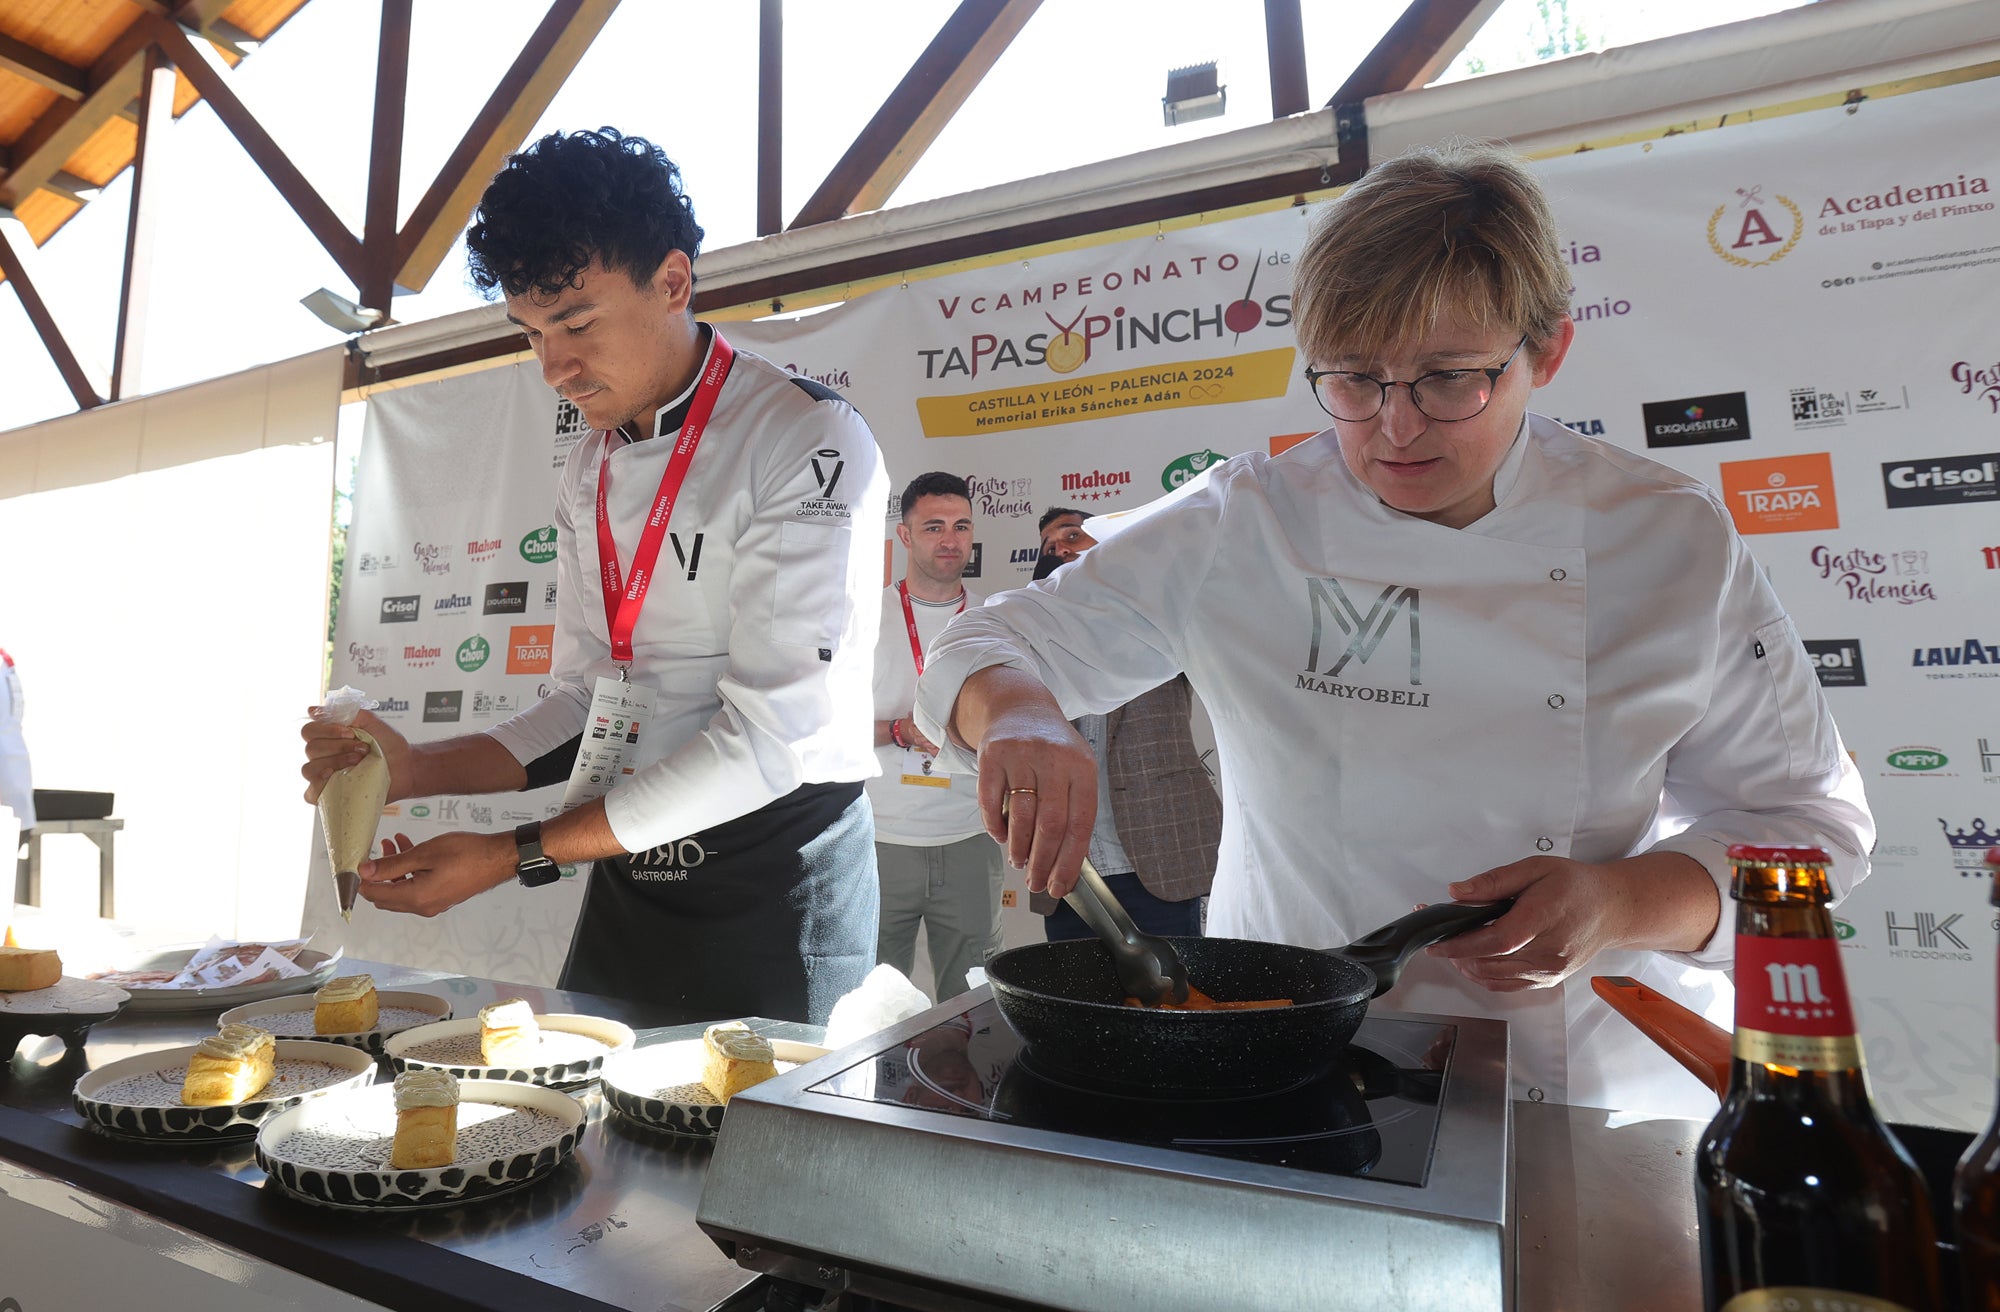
[530, 866]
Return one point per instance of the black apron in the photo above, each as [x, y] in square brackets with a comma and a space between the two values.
[772, 914]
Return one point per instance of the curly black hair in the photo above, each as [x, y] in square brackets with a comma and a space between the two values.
[573, 197]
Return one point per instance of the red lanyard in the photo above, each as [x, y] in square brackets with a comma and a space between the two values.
[624, 597]
[910, 619]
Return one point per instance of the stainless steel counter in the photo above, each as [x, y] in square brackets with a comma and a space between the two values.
[1604, 1218]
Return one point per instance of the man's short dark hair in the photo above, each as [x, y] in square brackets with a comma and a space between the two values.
[1054, 513]
[1046, 564]
[573, 197]
[933, 485]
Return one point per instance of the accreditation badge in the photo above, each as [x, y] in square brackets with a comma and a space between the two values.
[619, 714]
[921, 771]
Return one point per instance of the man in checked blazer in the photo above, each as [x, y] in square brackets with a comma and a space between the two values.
[1159, 819]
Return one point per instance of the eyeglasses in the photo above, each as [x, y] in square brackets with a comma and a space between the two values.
[1447, 396]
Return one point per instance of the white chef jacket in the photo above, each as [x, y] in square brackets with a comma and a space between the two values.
[1594, 669]
[17, 787]
[916, 815]
[758, 632]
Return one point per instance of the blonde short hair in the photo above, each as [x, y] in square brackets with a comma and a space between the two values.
[1460, 229]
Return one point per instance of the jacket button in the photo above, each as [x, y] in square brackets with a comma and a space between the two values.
[1555, 701]
[1545, 844]
[1558, 574]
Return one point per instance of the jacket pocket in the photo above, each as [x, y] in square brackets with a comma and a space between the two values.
[1802, 714]
[811, 606]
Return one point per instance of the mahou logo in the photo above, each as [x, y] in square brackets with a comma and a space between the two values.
[482, 548]
[1750, 231]
[1788, 494]
[417, 656]
[1097, 485]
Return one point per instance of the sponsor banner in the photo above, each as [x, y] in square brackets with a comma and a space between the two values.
[1786, 494]
[1942, 481]
[1259, 376]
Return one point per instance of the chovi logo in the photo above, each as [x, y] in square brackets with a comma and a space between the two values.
[539, 547]
[1180, 471]
[1765, 230]
[472, 653]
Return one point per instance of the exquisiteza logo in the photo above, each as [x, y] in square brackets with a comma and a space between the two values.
[399, 610]
[1188, 466]
[441, 708]
[1786, 494]
[1694, 420]
[1751, 232]
[506, 598]
[1871, 576]
[1942, 480]
[1330, 661]
[472, 653]
[1837, 662]
[539, 547]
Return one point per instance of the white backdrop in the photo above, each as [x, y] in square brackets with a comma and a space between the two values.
[1798, 311]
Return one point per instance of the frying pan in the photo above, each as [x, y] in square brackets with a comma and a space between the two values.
[1065, 1002]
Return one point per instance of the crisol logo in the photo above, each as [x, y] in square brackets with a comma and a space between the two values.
[539, 547]
[1941, 480]
[1917, 758]
[1837, 662]
[1187, 467]
[472, 653]
[399, 610]
[1760, 232]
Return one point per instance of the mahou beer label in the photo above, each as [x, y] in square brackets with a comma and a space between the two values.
[1791, 1005]
[1798, 1298]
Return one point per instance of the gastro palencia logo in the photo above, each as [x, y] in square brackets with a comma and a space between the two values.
[1765, 231]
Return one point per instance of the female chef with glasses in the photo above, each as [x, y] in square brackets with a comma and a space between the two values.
[1451, 650]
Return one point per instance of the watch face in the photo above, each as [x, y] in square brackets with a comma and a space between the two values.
[539, 873]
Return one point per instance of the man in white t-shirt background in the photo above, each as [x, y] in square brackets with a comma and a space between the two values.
[939, 869]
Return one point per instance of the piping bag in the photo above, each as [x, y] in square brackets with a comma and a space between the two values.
[350, 806]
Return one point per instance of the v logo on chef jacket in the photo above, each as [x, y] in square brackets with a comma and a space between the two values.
[1365, 632]
[827, 466]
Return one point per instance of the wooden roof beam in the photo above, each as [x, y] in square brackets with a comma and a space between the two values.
[521, 97]
[278, 168]
[1416, 48]
[47, 143]
[962, 52]
[17, 248]
[1285, 48]
[43, 69]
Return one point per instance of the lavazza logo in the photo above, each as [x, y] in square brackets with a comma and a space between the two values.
[1871, 576]
[1942, 480]
[1970, 659]
[452, 601]
[399, 610]
[1364, 633]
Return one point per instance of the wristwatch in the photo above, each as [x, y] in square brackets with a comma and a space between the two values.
[531, 867]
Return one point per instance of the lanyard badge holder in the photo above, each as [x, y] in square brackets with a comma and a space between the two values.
[919, 770]
[620, 709]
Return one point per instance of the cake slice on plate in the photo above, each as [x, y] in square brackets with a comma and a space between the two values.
[232, 1066]
[426, 1120]
[734, 1057]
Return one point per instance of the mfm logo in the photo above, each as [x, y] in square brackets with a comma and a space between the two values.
[506, 598]
[1760, 232]
[1364, 633]
[368, 659]
[399, 610]
[1788, 494]
[1982, 381]
[1693, 420]
[1941, 481]
[1924, 761]
[529, 648]
[1837, 661]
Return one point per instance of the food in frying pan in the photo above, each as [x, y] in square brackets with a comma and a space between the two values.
[1199, 1001]
[509, 1033]
[232, 1066]
[22, 969]
[734, 1058]
[347, 1005]
[426, 1120]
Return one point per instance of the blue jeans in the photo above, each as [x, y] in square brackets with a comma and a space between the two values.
[1149, 913]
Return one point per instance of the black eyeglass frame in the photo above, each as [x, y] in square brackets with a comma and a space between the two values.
[1382, 388]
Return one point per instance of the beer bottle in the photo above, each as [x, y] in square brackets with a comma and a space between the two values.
[1804, 1198]
[1975, 1195]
